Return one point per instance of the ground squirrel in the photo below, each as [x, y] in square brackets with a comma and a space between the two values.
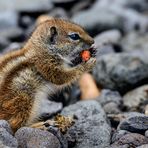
[45, 64]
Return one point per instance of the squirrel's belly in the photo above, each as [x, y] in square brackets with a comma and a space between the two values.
[42, 104]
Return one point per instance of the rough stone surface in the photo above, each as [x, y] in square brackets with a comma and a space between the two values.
[132, 139]
[36, 138]
[4, 124]
[122, 71]
[118, 134]
[108, 96]
[111, 108]
[136, 98]
[138, 124]
[143, 146]
[6, 139]
[146, 133]
[91, 128]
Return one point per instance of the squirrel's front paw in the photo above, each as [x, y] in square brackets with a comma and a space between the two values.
[88, 66]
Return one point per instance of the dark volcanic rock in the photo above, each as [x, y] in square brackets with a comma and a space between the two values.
[137, 124]
[36, 138]
[122, 71]
[91, 128]
[132, 140]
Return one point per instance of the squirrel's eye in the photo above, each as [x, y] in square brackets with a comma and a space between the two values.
[74, 36]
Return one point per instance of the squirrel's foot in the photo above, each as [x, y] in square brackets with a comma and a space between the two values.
[88, 66]
[61, 122]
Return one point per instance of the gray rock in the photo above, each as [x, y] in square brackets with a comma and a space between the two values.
[26, 5]
[134, 41]
[3, 43]
[95, 23]
[108, 96]
[55, 107]
[137, 124]
[131, 139]
[118, 134]
[91, 128]
[110, 15]
[146, 134]
[111, 108]
[7, 139]
[4, 124]
[143, 146]
[111, 36]
[8, 19]
[36, 138]
[59, 13]
[12, 33]
[122, 71]
[134, 99]
[62, 1]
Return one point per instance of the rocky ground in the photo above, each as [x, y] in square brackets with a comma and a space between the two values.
[112, 107]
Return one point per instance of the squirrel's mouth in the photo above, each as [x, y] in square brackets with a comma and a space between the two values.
[78, 58]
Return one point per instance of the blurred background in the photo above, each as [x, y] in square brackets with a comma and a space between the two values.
[129, 19]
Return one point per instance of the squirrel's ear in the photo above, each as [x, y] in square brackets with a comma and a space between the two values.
[53, 34]
[43, 18]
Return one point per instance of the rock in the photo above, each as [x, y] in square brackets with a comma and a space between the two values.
[122, 71]
[13, 33]
[96, 23]
[62, 1]
[55, 107]
[146, 134]
[111, 108]
[6, 139]
[6, 20]
[110, 100]
[115, 119]
[33, 138]
[104, 49]
[134, 99]
[26, 5]
[146, 110]
[3, 43]
[110, 16]
[111, 36]
[12, 47]
[108, 96]
[118, 134]
[137, 124]
[143, 146]
[59, 13]
[134, 41]
[131, 139]
[4, 124]
[91, 128]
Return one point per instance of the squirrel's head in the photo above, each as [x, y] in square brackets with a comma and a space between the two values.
[61, 37]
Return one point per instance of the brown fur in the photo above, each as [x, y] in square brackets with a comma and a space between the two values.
[37, 70]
